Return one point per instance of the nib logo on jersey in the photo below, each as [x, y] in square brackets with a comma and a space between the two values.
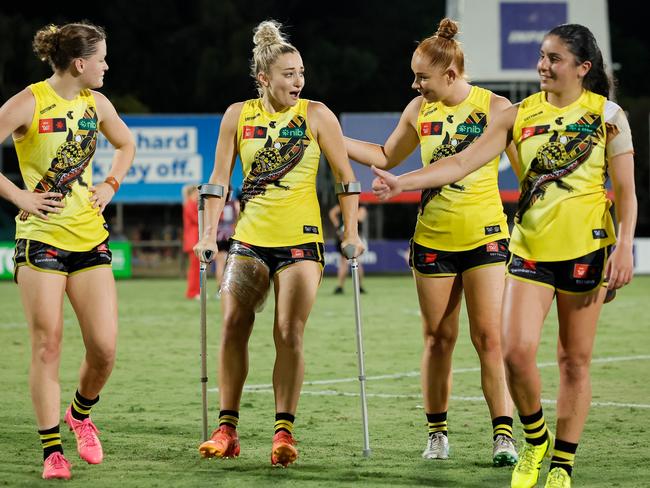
[292, 132]
[46, 126]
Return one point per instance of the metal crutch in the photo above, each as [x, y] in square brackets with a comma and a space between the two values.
[348, 252]
[205, 191]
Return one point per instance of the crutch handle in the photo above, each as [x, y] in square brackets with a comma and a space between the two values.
[207, 255]
[348, 251]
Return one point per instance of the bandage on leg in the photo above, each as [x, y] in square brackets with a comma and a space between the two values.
[247, 280]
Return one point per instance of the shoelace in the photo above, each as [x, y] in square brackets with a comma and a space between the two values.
[527, 460]
[287, 439]
[556, 478]
[88, 433]
[504, 442]
[222, 437]
[435, 442]
[57, 461]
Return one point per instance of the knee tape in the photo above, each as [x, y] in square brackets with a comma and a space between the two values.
[247, 279]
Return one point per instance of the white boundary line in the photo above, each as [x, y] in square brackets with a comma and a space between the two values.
[411, 374]
[453, 398]
[268, 388]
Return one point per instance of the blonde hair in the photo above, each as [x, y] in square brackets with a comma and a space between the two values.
[270, 43]
[442, 49]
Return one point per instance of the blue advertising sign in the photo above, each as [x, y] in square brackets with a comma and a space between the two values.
[523, 26]
[375, 127]
[171, 152]
[380, 257]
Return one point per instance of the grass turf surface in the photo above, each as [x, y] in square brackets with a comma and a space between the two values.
[150, 414]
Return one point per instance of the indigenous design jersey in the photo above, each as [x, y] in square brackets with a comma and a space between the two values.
[278, 203]
[563, 210]
[468, 213]
[56, 155]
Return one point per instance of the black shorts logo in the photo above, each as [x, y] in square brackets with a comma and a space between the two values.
[599, 233]
[492, 229]
[309, 229]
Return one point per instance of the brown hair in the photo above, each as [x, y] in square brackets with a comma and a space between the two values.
[442, 49]
[270, 43]
[60, 45]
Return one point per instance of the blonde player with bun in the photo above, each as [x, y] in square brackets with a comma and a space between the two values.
[569, 137]
[61, 236]
[278, 239]
[461, 236]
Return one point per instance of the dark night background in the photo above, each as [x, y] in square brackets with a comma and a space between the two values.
[193, 56]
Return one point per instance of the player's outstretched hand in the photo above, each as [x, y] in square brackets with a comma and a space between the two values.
[385, 185]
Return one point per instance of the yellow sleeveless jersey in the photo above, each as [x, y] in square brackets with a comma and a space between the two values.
[563, 210]
[56, 155]
[280, 159]
[468, 213]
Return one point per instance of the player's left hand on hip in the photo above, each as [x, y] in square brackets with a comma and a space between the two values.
[100, 196]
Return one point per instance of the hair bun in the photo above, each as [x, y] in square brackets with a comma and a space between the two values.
[268, 33]
[447, 29]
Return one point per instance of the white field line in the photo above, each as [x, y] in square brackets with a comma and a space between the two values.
[455, 398]
[410, 374]
[268, 388]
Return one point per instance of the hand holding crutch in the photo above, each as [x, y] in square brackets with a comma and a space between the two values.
[205, 191]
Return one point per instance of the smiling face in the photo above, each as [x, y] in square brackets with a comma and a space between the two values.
[430, 81]
[285, 80]
[93, 67]
[558, 69]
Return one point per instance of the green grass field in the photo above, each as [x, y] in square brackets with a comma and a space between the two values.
[150, 414]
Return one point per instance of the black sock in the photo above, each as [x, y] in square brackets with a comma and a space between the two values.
[437, 422]
[564, 455]
[284, 421]
[229, 417]
[502, 426]
[535, 430]
[81, 406]
[50, 441]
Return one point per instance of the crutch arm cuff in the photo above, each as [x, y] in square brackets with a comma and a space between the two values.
[210, 190]
[348, 188]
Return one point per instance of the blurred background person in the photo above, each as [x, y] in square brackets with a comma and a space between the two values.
[343, 264]
[190, 238]
[225, 230]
